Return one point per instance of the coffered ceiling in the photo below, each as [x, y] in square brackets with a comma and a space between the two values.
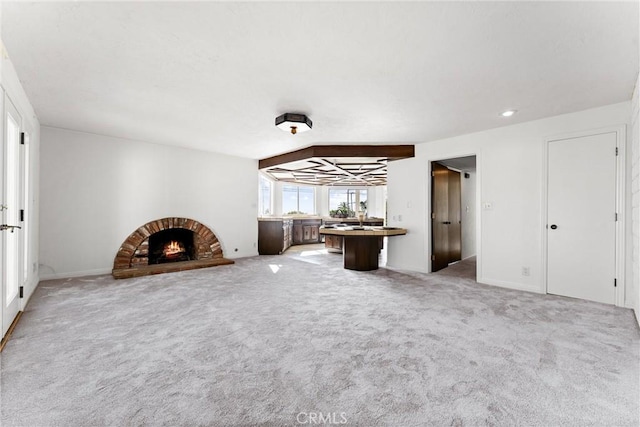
[347, 165]
[214, 75]
[348, 171]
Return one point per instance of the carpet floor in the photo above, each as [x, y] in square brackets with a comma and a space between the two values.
[298, 340]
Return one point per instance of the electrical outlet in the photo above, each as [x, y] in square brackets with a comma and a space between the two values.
[526, 271]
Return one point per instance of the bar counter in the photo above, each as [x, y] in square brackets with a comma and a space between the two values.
[361, 245]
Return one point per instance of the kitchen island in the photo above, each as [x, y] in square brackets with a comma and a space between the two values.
[361, 245]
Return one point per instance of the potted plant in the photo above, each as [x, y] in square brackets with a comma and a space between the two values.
[343, 210]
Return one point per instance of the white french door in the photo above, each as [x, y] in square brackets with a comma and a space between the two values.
[11, 200]
[581, 229]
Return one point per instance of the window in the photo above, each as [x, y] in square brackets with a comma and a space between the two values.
[298, 199]
[355, 200]
[264, 195]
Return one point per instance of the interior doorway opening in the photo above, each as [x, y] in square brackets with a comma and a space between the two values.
[453, 216]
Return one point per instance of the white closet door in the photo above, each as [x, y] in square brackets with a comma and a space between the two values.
[581, 230]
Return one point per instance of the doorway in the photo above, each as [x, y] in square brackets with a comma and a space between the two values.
[453, 216]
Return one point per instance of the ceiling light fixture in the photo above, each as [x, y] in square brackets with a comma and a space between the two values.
[508, 113]
[295, 123]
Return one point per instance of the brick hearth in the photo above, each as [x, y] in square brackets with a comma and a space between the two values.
[132, 258]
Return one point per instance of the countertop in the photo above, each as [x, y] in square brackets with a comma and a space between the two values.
[365, 231]
[325, 218]
[285, 217]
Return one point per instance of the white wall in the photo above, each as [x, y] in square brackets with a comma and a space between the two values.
[468, 213]
[96, 190]
[13, 88]
[633, 290]
[376, 201]
[510, 165]
[322, 201]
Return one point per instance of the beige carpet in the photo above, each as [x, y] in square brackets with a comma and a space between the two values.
[295, 340]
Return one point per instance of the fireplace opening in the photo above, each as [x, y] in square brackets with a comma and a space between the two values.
[172, 245]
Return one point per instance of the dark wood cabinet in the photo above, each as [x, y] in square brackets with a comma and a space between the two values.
[274, 236]
[287, 228]
[333, 243]
[306, 231]
[297, 234]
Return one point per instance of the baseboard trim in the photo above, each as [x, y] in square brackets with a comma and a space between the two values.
[509, 285]
[96, 272]
[5, 339]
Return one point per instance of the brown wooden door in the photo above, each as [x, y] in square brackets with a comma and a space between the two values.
[455, 238]
[446, 239]
[439, 217]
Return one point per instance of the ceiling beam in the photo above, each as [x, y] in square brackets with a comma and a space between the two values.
[389, 152]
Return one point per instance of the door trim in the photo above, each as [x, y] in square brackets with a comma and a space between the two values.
[9, 109]
[621, 138]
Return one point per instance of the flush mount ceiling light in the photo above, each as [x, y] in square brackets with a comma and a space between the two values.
[508, 113]
[294, 123]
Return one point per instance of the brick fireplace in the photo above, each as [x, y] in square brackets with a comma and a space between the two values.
[166, 245]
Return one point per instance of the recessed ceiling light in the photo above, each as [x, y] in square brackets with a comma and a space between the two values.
[508, 113]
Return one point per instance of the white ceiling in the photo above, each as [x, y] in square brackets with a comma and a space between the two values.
[460, 163]
[214, 75]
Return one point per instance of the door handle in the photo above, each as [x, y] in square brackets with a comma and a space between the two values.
[9, 227]
[446, 222]
[553, 226]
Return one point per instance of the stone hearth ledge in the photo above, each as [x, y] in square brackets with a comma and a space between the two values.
[170, 267]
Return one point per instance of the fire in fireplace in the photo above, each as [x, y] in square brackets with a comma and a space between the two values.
[171, 245]
[173, 248]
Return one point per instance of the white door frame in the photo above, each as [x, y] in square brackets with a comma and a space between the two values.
[428, 233]
[25, 196]
[621, 139]
[9, 108]
[2, 180]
